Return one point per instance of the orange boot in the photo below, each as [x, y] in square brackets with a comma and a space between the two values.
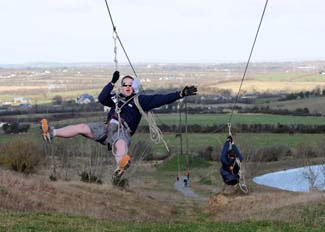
[123, 165]
[45, 130]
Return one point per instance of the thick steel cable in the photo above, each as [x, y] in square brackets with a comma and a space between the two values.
[119, 40]
[248, 61]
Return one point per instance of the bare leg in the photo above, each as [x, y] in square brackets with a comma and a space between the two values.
[121, 149]
[122, 160]
[74, 130]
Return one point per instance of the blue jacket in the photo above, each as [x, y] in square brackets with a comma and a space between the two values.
[130, 113]
[230, 177]
[226, 162]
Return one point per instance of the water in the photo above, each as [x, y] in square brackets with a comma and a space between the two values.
[295, 180]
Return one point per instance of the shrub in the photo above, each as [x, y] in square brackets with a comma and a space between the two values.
[21, 156]
[142, 150]
[272, 153]
[306, 151]
[90, 178]
[15, 128]
[206, 153]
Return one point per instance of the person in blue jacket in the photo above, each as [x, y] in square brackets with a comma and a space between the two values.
[230, 168]
[122, 120]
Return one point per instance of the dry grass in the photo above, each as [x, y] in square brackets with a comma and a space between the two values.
[37, 193]
[151, 198]
[267, 204]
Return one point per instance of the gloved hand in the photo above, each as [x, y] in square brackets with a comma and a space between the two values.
[116, 76]
[229, 138]
[231, 168]
[188, 91]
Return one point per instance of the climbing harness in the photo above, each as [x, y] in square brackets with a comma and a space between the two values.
[122, 126]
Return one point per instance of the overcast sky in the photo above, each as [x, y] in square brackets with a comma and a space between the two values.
[161, 30]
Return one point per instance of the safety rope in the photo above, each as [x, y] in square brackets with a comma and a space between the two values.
[115, 51]
[248, 61]
[155, 133]
[119, 40]
[186, 141]
[242, 183]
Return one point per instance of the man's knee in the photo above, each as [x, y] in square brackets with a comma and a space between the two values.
[84, 128]
[121, 146]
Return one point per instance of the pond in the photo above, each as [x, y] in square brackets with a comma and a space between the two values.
[296, 180]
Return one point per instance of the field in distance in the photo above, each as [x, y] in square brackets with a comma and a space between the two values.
[42, 83]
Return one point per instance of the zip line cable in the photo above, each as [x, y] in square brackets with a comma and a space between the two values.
[119, 40]
[248, 61]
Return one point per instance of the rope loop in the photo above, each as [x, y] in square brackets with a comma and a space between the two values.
[242, 182]
[155, 133]
[229, 129]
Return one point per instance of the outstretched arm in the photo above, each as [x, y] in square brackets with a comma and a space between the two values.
[149, 102]
[105, 96]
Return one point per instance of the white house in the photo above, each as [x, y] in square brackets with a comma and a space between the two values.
[20, 100]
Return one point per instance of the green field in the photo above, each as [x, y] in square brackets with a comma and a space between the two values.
[222, 119]
[18, 222]
[198, 119]
[199, 141]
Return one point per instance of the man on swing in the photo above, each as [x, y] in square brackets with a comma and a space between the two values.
[230, 168]
[122, 120]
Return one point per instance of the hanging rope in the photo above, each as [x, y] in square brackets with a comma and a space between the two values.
[155, 133]
[248, 61]
[186, 138]
[119, 40]
[242, 183]
[115, 51]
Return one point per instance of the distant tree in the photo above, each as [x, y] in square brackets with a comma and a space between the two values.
[57, 100]
[317, 91]
[301, 95]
